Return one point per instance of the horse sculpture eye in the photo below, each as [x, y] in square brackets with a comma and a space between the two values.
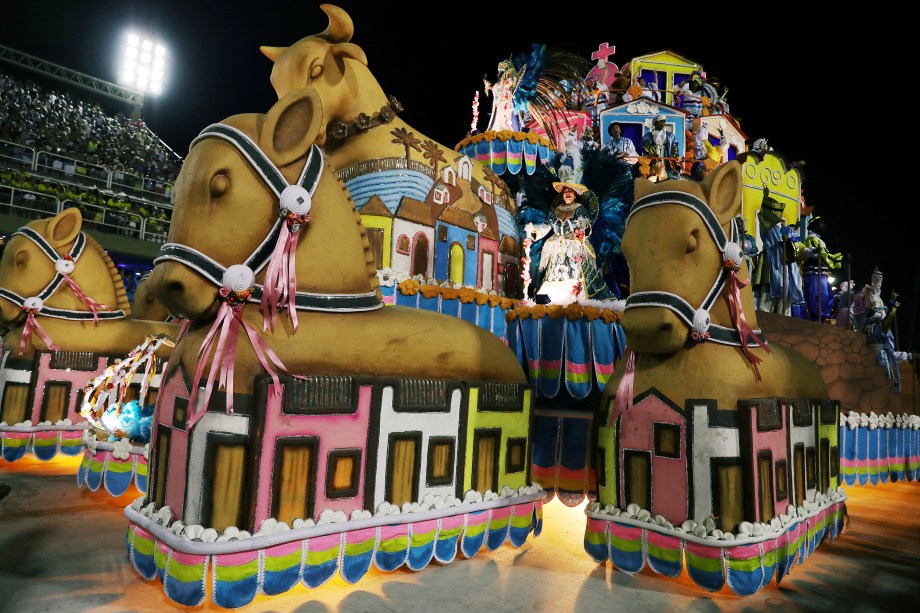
[693, 241]
[220, 183]
[315, 71]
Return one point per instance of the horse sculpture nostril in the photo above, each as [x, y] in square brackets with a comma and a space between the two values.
[665, 329]
[175, 287]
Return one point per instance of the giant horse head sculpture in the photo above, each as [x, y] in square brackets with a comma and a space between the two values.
[690, 321]
[238, 189]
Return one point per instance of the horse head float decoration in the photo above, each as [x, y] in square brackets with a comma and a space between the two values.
[56, 285]
[269, 263]
[720, 440]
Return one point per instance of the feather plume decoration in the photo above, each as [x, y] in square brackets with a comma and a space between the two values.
[611, 182]
[553, 80]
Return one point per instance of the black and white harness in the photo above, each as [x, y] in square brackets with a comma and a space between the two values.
[698, 319]
[294, 198]
[63, 266]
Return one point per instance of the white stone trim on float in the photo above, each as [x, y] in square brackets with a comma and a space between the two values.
[212, 421]
[190, 538]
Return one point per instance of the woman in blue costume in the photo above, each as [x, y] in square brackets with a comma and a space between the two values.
[571, 220]
[566, 269]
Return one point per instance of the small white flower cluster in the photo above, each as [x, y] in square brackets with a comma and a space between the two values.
[887, 421]
[271, 525]
[121, 449]
[707, 529]
[389, 277]
[89, 441]
[617, 306]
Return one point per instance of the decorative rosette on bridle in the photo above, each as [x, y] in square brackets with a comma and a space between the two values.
[281, 274]
[32, 307]
[731, 265]
[64, 267]
[238, 284]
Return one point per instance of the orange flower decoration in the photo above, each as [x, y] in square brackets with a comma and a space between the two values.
[449, 293]
[430, 291]
[409, 287]
[574, 311]
[467, 295]
[555, 311]
[591, 312]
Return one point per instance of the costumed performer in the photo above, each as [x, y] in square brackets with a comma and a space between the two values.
[566, 270]
[817, 263]
[777, 274]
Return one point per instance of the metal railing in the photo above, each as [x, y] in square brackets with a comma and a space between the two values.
[120, 223]
[69, 170]
[84, 174]
[35, 205]
[17, 156]
[26, 203]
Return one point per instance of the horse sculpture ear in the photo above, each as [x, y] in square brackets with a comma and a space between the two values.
[63, 228]
[723, 190]
[291, 126]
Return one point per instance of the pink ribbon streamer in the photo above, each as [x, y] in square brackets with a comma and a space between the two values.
[91, 304]
[32, 325]
[623, 400]
[281, 276]
[736, 310]
[183, 329]
[225, 330]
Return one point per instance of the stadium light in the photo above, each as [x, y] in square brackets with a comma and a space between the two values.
[142, 65]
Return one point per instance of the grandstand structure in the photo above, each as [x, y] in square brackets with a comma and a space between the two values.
[59, 149]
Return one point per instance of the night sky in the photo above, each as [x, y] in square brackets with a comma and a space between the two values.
[818, 93]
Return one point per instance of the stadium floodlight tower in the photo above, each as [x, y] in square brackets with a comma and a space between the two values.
[142, 65]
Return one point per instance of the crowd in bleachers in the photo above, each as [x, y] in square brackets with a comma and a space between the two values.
[61, 123]
[65, 130]
[103, 209]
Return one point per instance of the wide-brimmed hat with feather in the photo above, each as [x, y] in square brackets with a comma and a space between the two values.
[578, 188]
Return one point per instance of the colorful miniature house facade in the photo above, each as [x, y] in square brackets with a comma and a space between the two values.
[335, 443]
[41, 402]
[637, 118]
[452, 228]
[733, 466]
[783, 181]
[664, 70]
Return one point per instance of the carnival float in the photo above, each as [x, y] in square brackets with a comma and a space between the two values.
[604, 297]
